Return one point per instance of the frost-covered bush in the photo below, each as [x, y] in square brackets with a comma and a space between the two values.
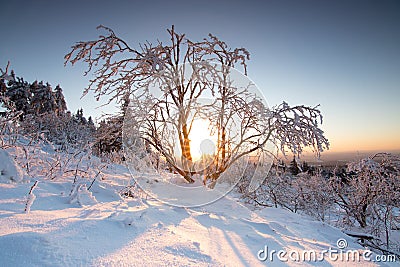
[303, 192]
[9, 169]
[365, 196]
[372, 181]
[65, 131]
[370, 195]
[278, 190]
[315, 198]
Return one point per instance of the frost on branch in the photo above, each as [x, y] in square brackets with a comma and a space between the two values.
[4, 74]
[298, 127]
[81, 195]
[115, 76]
[119, 69]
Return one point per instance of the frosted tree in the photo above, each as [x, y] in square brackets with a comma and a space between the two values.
[61, 105]
[183, 72]
[9, 114]
[35, 99]
[43, 100]
[314, 195]
[116, 75]
[294, 168]
[109, 136]
[18, 92]
[109, 133]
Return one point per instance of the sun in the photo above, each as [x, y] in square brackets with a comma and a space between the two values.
[202, 142]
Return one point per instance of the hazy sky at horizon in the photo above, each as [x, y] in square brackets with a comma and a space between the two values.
[343, 55]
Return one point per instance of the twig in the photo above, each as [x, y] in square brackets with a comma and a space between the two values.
[31, 198]
[97, 174]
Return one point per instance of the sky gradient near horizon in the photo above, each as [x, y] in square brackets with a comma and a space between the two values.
[343, 55]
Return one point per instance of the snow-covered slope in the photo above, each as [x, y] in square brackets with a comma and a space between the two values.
[99, 228]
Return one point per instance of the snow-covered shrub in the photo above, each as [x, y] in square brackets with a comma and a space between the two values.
[81, 195]
[65, 131]
[109, 136]
[370, 195]
[369, 180]
[133, 191]
[277, 190]
[282, 192]
[9, 169]
[305, 192]
[315, 198]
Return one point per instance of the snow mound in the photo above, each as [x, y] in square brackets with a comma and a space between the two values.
[82, 196]
[9, 169]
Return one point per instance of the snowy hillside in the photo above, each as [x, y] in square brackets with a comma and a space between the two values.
[74, 226]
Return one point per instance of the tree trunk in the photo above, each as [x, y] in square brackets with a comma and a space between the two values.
[186, 144]
[362, 217]
[223, 146]
[187, 160]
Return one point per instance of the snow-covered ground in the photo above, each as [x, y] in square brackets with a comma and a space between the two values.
[98, 227]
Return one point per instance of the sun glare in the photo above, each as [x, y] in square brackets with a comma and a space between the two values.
[202, 142]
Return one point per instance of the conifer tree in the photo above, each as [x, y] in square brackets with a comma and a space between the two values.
[294, 167]
[19, 94]
[61, 105]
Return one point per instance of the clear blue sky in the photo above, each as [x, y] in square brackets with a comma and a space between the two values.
[343, 55]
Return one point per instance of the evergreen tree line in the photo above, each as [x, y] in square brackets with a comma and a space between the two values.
[42, 112]
[295, 167]
[34, 98]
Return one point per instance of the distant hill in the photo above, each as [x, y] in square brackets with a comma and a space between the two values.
[340, 158]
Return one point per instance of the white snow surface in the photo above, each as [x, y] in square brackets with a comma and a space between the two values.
[97, 227]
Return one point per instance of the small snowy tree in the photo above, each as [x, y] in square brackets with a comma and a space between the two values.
[279, 189]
